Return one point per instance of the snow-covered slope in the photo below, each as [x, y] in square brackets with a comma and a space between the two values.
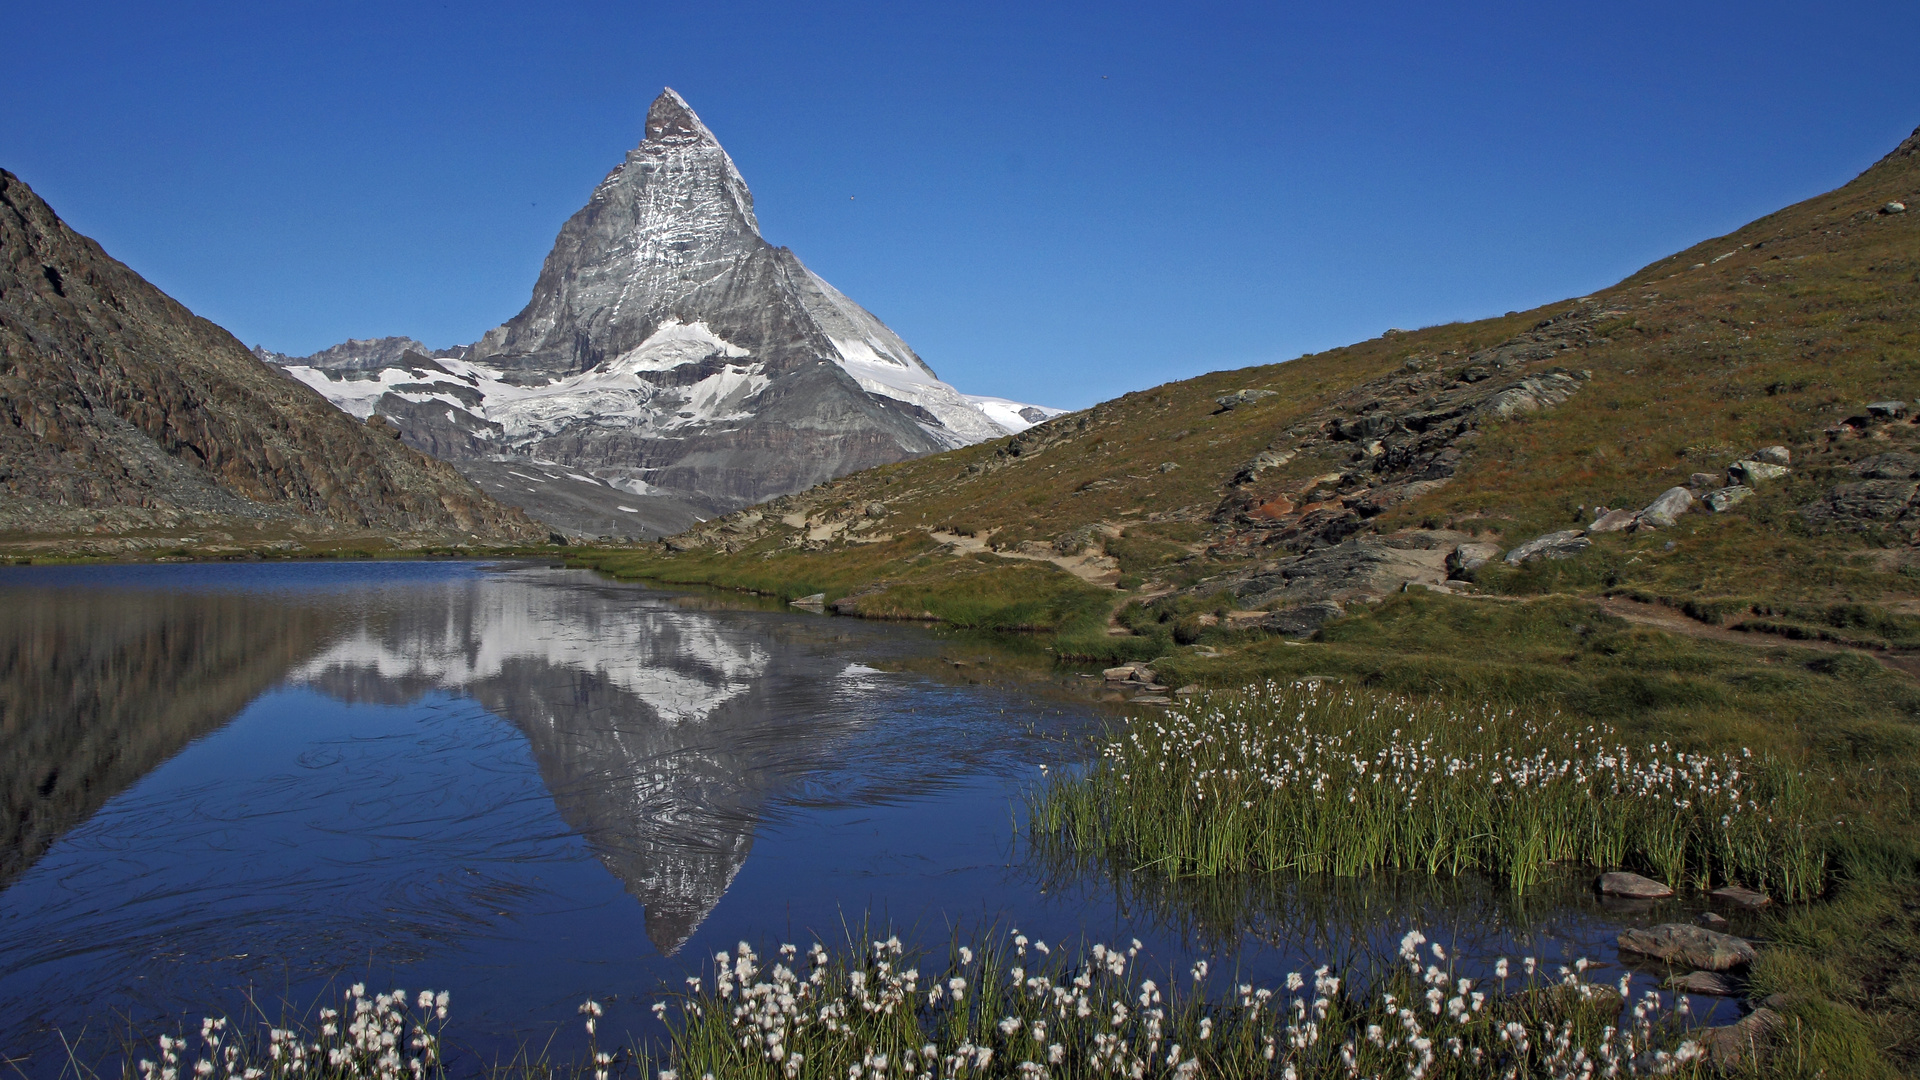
[670, 353]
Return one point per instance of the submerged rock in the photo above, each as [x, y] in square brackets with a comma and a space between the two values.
[1622, 883]
[1689, 946]
[1739, 897]
[1702, 982]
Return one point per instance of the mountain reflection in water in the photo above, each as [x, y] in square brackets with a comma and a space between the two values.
[659, 732]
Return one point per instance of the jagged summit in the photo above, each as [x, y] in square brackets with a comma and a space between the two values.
[670, 354]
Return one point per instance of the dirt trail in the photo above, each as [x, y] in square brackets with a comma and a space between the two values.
[1665, 618]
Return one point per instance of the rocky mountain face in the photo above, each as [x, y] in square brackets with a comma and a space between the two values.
[672, 364]
[122, 411]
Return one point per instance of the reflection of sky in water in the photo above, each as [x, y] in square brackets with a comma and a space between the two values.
[529, 787]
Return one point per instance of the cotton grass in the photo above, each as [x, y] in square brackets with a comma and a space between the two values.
[1021, 1011]
[1328, 779]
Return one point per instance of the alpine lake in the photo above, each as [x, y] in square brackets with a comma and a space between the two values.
[235, 789]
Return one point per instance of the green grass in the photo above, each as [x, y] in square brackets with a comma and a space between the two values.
[1291, 777]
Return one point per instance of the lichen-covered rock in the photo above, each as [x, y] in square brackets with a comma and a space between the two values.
[1726, 498]
[1753, 472]
[1662, 511]
[1776, 455]
[1893, 465]
[1613, 521]
[1564, 544]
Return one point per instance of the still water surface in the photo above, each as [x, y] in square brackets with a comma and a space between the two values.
[529, 786]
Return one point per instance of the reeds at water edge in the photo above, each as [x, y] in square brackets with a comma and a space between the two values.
[1328, 779]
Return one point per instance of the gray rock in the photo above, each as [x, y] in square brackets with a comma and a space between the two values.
[1886, 410]
[1777, 455]
[1706, 480]
[1741, 898]
[1662, 511]
[1612, 521]
[1736, 1045]
[1364, 567]
[1894, 207]
[1712, 920]
[1266, 459]
[876, 510]
[1303, 620]
[1869, 500]
[1168, 466]
[1711, 983]
[1634, 886]
[1564, 544]
[1241, 397]
[1688, 946]
[1468, 557]
[1725, 498]
[1893, 465]
[1752, 472]
[818, 599]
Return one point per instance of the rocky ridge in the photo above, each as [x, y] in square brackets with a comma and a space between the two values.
[672, 364]
[123, 412]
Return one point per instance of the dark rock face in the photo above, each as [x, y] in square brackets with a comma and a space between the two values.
[671, 354]
[120, 409]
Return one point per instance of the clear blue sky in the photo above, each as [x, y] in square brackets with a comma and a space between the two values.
[1054, 203]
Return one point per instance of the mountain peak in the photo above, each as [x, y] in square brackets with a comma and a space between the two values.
[671, 117]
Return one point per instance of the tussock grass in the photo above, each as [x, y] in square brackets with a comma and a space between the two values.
[1316, 778]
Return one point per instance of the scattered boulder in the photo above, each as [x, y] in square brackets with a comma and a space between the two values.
[1712, 920]
[1134, 676]
[1468, 557]
[1894, 207]
[1169, 466]
[1776, 455]
[1304, 619]
[1741, 898]
[1612, 521]
[1662, 511]
[1705, 480]
[1726, 498]
[876, 510]
[818, 599]
[1886, 410]
[1234, 400]
[1564, 544]
[1633, 886]
[1703, 982]
[1751, 472]
[1737, 1044]
[1688, 946]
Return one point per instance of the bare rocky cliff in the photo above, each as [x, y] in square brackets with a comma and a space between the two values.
[121, 411]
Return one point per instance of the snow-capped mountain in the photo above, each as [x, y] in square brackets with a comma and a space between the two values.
[671, 364]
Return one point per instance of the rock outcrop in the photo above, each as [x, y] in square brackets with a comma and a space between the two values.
[670, 357]
[122, 411]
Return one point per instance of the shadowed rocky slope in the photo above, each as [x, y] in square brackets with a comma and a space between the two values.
[120, 410]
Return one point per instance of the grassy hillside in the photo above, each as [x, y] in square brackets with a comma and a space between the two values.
[1776, 334]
